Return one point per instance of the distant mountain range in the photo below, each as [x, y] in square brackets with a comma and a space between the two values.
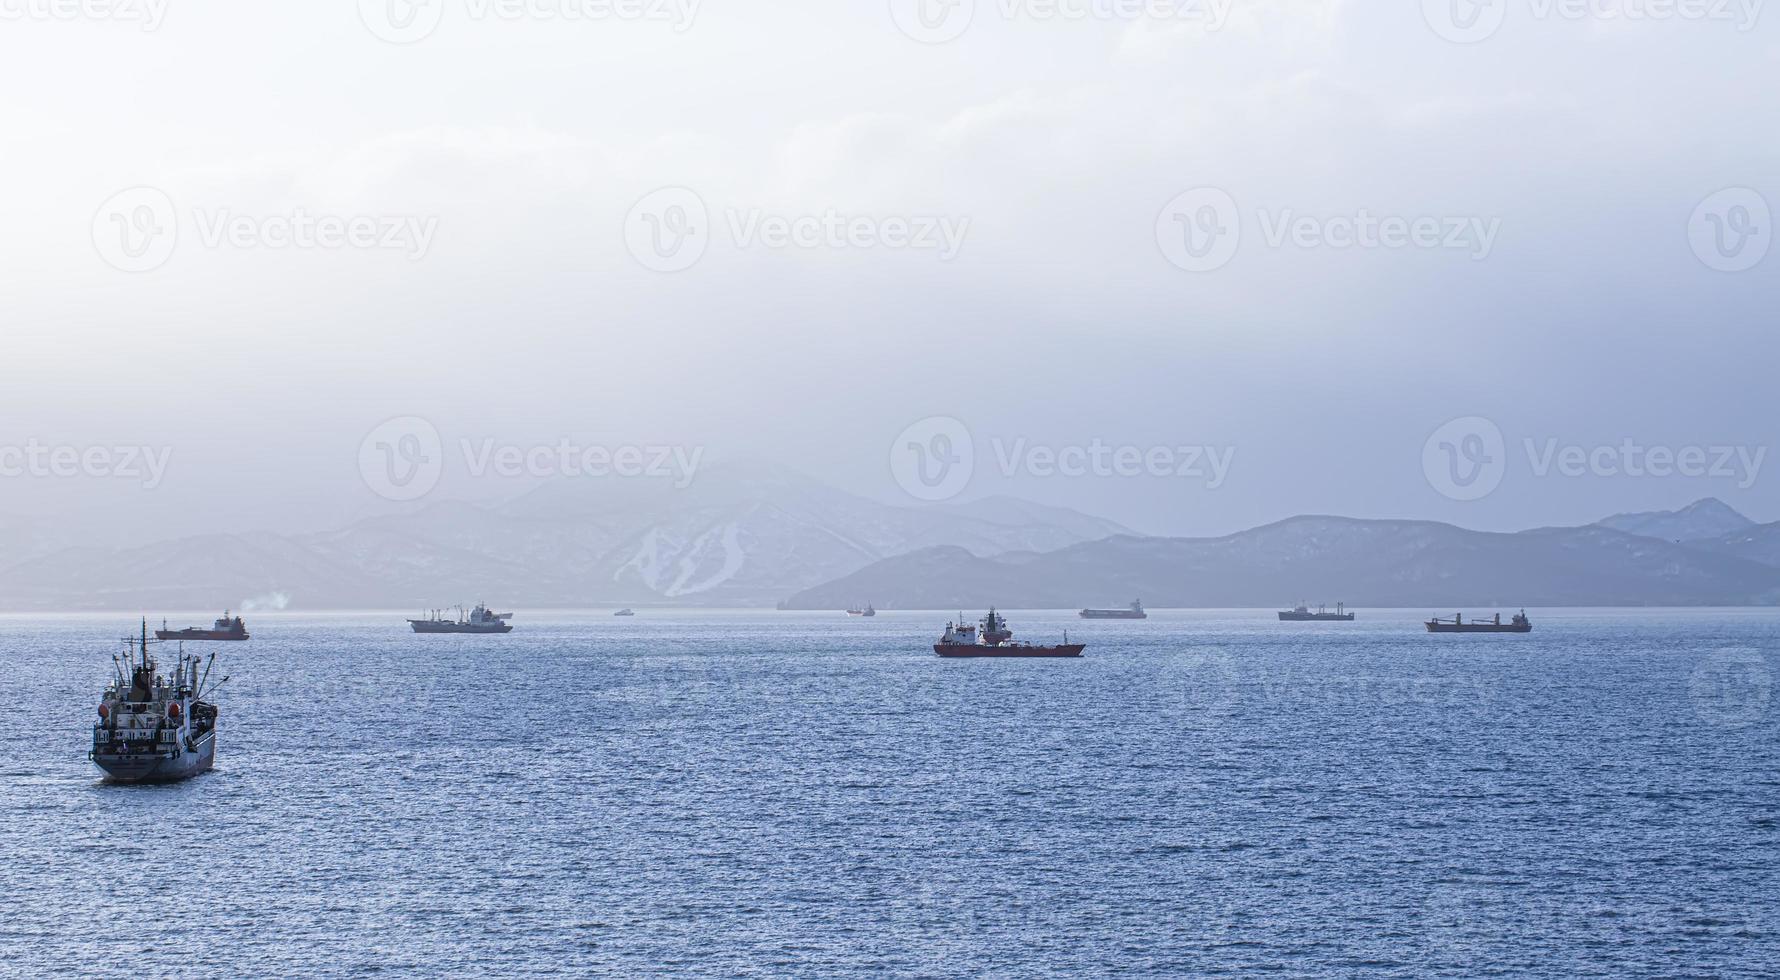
[1360, 562]
[741, 534]
[1702, 519]
[752, 534]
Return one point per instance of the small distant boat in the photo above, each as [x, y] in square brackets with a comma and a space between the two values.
[1519, 624]
[479, 620]
[1133, 611]
[624, 612]
[962, 640]
[1302, 614]
[227, 628]
[867, 611]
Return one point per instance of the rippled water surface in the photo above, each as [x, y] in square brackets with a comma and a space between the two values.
[792, 794]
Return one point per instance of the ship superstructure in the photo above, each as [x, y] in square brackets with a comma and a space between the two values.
[154, 727]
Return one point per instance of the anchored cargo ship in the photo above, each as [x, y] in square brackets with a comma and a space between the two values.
[1519, 624]
[154, 728]
[1302, 614]
[1133, 611]
[226, 628]
[995, 640]
[868, 611]
[478, 620]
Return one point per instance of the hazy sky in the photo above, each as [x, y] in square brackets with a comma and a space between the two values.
[1579, 284]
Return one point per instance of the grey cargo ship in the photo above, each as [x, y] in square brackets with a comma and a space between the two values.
[478, 620]
[155, 728]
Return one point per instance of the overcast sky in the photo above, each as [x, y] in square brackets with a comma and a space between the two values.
[1306, 234]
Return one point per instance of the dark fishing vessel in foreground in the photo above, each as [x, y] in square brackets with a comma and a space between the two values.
[1133, 611]
[154, 728]
[227, 628]
[478, 620]
[1519, 624]
[1302, 614]
[962, 640]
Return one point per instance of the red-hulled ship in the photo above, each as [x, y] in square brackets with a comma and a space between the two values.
[227, 628]
[995, 640]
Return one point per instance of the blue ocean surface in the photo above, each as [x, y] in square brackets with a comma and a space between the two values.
[791, 794]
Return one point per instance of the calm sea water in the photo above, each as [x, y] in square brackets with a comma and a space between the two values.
[792, 794]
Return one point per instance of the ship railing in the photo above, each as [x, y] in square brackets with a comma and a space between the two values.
[168, 735]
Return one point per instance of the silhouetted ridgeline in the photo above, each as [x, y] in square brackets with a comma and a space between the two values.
[1362, 563]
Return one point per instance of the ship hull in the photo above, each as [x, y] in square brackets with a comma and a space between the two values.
[1287, 617]
[977, 651]
[424, 626]
[218, 635]
[1479, 628]
[1112, 614]
[140, 768]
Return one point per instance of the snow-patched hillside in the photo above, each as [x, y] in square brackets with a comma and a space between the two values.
[741, 534]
